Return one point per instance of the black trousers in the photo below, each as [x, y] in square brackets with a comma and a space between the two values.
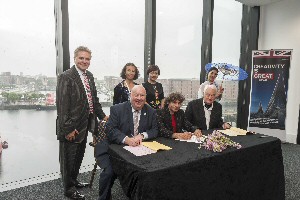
[106, 181]
[70, 157]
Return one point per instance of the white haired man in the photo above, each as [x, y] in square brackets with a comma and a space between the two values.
[205, 112]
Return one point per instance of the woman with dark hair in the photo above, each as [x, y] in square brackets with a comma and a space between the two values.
[122, 91]
[155, 93]
[172, 122]
[211, 76]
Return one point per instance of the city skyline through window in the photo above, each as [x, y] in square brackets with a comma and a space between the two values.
[114, 31]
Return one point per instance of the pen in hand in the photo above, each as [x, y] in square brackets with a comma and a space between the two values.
[137, 141]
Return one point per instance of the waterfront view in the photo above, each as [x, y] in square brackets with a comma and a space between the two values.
[32, 146]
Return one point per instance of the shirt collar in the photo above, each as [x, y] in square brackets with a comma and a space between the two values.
[132, 109]
[212, 105]
[79, 71]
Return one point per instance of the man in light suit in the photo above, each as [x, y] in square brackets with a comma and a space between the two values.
[120, 129]
[77, 110]
[205, 112]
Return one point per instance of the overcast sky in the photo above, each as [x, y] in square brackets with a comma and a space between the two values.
[114, 31]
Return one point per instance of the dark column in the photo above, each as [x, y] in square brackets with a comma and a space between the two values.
[207, 33]
[61, 35]
[249, 42]
[150, 35]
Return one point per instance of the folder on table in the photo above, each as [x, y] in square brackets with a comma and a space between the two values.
[156, 146]
[233, 131]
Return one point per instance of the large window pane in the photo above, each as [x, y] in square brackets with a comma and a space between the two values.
[114, 31]
[178, 45]
[226, 49]
[27, 81]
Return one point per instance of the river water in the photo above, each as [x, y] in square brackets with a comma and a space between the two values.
[32, 145]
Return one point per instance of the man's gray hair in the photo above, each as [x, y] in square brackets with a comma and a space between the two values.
[81, 48]
[213, 87]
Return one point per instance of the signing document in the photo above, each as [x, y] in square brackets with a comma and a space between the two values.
[146, 148]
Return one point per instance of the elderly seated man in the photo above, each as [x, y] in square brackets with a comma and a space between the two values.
[129, 123]
[205, 112]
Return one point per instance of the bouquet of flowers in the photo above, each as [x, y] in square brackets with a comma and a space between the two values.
[217, 142]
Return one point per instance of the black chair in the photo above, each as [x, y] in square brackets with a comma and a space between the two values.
[97, 138]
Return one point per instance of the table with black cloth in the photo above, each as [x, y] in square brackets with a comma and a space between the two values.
[186, 172]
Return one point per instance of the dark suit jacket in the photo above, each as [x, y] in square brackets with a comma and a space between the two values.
[73, 107]
[120, 123]
[164, 122]
[195, 114]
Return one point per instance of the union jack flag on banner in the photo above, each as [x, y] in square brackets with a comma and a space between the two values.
[282, 53]
[261, 53]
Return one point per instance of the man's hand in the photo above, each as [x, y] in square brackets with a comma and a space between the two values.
[226, 125]
[198, 133]
[139, 138]
[131, 141]
[71, 136]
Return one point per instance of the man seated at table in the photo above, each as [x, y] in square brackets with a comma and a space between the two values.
[172, 122]
[129, 123]
[206, 113]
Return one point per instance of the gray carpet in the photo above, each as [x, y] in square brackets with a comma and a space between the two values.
[53, 189]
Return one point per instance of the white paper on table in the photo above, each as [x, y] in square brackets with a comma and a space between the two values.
[139, 150]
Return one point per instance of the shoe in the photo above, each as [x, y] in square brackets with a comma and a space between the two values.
[75, 195]
[81, 185]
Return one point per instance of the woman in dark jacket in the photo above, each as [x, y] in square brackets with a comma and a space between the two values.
[122, 91]
[155, 93]
[172, 122]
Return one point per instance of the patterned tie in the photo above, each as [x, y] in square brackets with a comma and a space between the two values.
[88, 92]
[136, 122]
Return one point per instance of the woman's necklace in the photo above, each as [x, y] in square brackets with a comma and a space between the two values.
[126, 85]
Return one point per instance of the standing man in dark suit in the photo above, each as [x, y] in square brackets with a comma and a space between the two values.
[77, 110]
[205, 112]
[129, 123]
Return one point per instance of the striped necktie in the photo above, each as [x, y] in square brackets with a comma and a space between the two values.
[88, 92]
[136, 122]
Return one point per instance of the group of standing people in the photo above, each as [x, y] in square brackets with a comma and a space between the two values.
[155, 93]
[139, 112]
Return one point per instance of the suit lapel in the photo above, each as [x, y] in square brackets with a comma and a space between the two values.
[129, 116]
[78, 81]
[168, 118]
[214, 113]
[143, 119]
[202, 112]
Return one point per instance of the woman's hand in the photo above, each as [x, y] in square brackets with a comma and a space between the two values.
[198, 133]
[182, 136]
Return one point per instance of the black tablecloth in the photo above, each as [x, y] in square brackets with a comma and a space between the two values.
[253, 172]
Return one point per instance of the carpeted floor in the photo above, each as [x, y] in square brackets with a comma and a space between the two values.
[52, 190]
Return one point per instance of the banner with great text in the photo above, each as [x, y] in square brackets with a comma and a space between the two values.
[270, 74]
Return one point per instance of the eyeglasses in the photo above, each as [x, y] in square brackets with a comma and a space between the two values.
[209, 95]
[153, 73]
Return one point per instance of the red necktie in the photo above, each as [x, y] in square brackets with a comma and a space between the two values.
[88, 92]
